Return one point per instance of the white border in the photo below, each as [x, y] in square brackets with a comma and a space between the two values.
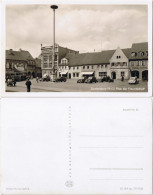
[78, 94]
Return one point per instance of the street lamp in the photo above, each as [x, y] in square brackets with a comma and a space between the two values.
[54, 7]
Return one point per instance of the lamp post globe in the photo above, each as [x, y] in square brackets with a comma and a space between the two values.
[54, 7]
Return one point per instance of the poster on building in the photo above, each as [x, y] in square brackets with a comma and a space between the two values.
[102, 49]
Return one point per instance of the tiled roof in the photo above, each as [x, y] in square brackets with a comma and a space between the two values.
[89, 58]
[18, 55]
[127, 52]
[139, 47]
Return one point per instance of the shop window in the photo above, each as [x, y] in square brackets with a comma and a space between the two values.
[102, 74]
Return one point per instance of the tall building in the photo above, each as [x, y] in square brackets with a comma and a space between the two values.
[47, 56]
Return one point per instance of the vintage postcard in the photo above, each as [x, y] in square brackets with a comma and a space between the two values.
[76, 146]
[80, 49]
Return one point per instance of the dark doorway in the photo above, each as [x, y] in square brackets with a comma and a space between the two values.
[69, 75]
[145, 75]
[135, 73]
[113, 75]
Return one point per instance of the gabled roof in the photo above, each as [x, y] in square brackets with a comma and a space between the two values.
[127, 52]
[139, 47]
[89, 58]
[18, 55]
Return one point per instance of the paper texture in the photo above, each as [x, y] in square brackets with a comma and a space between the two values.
[81, 146]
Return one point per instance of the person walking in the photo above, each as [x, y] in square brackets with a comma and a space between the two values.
[37, 79]
[28, 84]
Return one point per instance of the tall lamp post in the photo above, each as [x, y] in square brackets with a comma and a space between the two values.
[54, 7]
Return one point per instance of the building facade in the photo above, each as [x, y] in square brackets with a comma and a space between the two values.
[47, 59]
[114, 63]
[19, 64]
[138, 61]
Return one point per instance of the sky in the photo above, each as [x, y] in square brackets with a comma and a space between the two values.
[84, 28]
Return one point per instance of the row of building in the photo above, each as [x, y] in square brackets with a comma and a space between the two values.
[74, 65]
[114, 63]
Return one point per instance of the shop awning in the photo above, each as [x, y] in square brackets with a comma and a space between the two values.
[87, 73]
[19, 69]
[65, 72]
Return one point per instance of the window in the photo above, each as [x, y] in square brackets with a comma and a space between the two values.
[45, 58]
[123, 74]
[65, 67]
[50, 65]
[55, 57]
[118, 63]
[77, 67]
[146, 53]
[118, 57]
[10, 65]
[69, 68]
[73, 74]
[97, 66]
[87, 67]
[112, 64]
[77, 74]
[141, 53]
[50, 58]
[133, 54]
[137, 63]
[73, 68]
[101, 66]
[64, 61]
[124, 63]
[102, 74]
[92, 67]
[83, 67]
[143, 63]
[132, 63]
[45, 65]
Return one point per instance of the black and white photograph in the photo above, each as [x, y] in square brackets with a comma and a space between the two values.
[76, 48]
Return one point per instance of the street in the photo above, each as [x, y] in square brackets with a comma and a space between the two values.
[71, 85]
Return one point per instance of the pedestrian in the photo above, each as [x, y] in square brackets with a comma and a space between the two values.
[28, 84]
[122, 79]
[37, 79]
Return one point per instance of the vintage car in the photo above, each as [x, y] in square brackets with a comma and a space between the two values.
[91, 80]
[61, 79]
[82, 80]
[133, 80]
[11, 82]
[107, 79]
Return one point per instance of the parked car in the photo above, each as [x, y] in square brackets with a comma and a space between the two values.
[47, 78]
[133, 80]
[82, 80]
[107, 79]
[11, 82]
[91, 80]
[61, 79]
